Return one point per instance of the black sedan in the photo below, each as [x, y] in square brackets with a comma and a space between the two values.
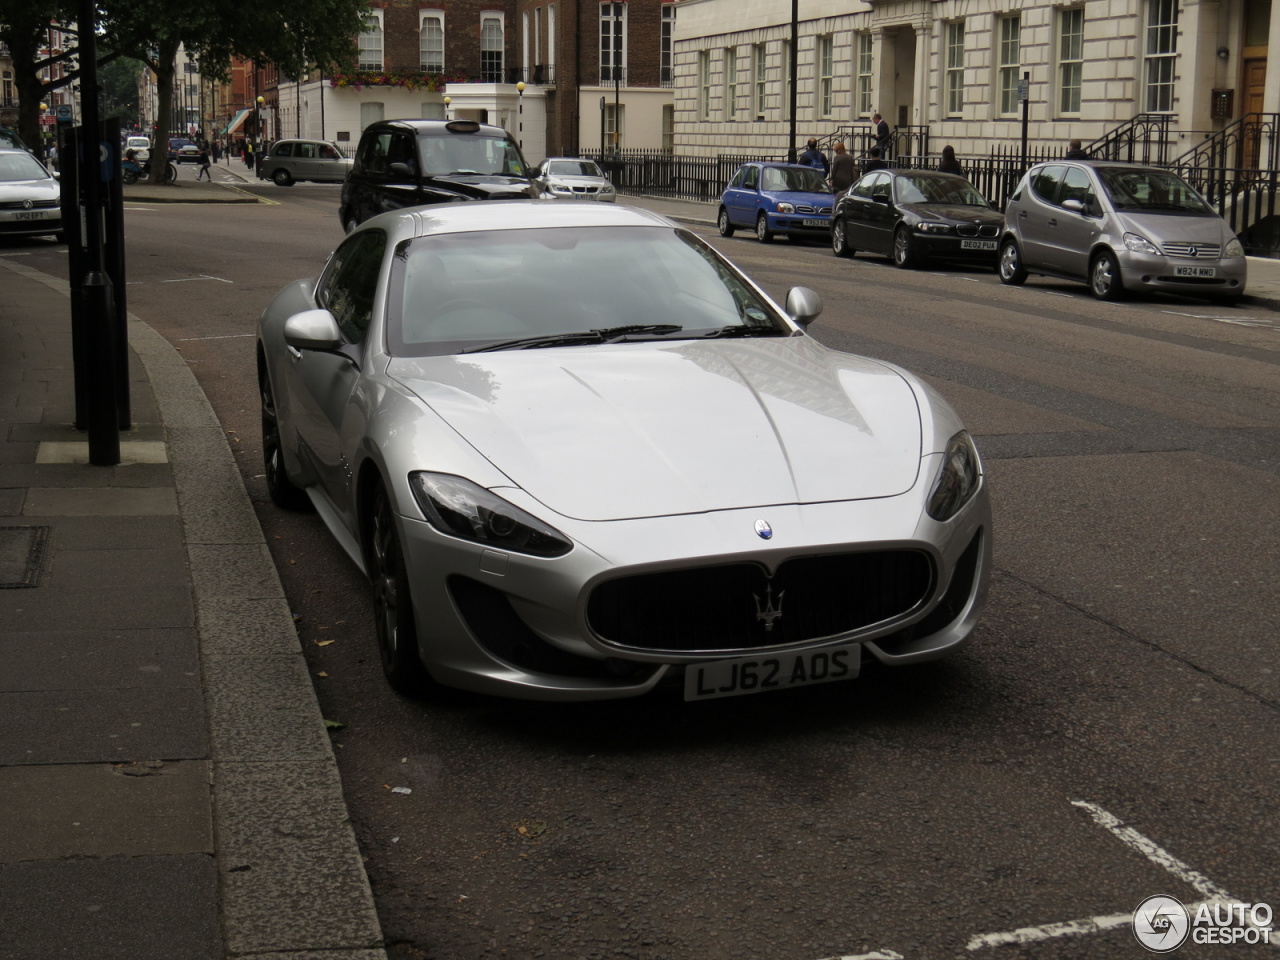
[914, 216]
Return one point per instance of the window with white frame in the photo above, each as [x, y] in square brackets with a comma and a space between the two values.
[865, 61]
[760, 76]
[1161, 49]
[704, 85]
[370, 56]
[431, 41]
[955, 68]
[551, 41]
[613, 42]
[826, 78]
[491, 47]
[526, 37]
[1070, 59]
[615, 116]
[731, 84]
[668, 29]
[669, 127]
[1010, 62]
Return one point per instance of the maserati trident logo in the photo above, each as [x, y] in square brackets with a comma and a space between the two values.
[763, 530]
[766, 611]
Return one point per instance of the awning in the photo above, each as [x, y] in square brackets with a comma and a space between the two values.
[236, 122]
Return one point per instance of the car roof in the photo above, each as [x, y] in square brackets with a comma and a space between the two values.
[438, 126]
[445, 218]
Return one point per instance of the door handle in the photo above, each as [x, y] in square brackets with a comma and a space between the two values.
[1053, 222]
[1022, 214]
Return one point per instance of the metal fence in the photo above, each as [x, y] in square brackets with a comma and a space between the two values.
[668, 175]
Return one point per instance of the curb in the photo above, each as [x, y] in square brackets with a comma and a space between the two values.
[290, 875]
[155, 196]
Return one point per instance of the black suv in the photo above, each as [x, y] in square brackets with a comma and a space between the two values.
[405, 163]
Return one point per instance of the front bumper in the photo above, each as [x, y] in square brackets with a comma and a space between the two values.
[1141, 271]
[800, 223]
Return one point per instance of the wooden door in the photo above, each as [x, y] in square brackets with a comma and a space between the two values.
[1255, 76]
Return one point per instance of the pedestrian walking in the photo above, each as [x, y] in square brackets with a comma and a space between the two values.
[1075, 151]
[880, 130]
[875, 163]
[248, 155]
[813, 157]
[949, 163]
[843, 169]
[203, 160]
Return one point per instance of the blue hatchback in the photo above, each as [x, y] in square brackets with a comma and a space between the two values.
[777, 198]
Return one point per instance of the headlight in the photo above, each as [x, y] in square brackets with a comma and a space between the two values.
[607, 188]
[1138, 244]
[958, 478]
[931, 227]
[1234, 248]
[560, 188]
[463, 509]
[786, 208]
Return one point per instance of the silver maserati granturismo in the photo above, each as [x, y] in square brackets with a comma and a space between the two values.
[580, 455]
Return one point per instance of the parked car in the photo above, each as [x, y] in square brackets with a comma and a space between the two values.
[141, 147]
[570, 178]
[776, 198]
[183, 151]
[579, 454]
[915, 216]
[405, 163]
[30, 198]
[291, 160]
[1119, 228]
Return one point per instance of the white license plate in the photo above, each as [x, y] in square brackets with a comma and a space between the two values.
[1209, 272]
[977, 244]
[816, 223]
[29, 215]
[732, 678]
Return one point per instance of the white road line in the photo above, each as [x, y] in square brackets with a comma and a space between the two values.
[1153, 851]
[229, 336]
[1071, 928]
[203, 276]
[873, 955]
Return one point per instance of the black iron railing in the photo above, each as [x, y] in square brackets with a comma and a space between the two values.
[1145, 139]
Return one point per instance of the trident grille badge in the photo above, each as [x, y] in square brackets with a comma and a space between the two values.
[766, 611]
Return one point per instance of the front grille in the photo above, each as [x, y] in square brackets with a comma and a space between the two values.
[586, 189]
[978, 230]
[35, 205]
[739, 607]
[806, 208]
[1192, 251]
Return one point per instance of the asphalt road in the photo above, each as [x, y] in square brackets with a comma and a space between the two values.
[1112, 733]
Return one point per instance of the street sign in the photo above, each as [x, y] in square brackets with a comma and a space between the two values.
[64, 113]
[1022, 90]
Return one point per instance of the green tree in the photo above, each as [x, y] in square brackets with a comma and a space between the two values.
[119, 81]
[24, 28]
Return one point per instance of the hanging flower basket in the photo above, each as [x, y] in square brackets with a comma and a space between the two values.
[410, 81]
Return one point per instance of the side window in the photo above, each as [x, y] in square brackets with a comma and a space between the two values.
[373, 153]
[283, 150]
[1045, 183]
[402, 149]
[862, 188]
[307, 151]
[349, 282]
[1076, 186]
[752, 180]
[880, 186]
[738, 178]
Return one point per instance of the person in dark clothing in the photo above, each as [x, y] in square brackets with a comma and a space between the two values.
[813, 157]
[880, 130]
[875, 163]
[843, 169]
[1075, 152]
[949, 163]
[203, 161]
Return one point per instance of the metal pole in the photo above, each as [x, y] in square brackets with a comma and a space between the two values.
[795, 44]
[1026, 111]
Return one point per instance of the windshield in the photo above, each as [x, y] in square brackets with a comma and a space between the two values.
[922, 189]
[20, 166]
[470, 154]
[793, 180]
[1140, 189]
[451, 293]
[574, 168]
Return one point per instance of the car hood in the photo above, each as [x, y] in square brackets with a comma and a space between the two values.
[801, 198]
[482, 187]
[963, 213]
[1164, 227]
[46, 188]
[576, 181]
[656, 429]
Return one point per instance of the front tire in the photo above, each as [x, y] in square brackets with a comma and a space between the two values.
[281, 178]
[1104, 276]
[724, 224]
[840, 240]
[904, 252]
[280, 488]
[1009, 264]
[763, 233]
[392, 601]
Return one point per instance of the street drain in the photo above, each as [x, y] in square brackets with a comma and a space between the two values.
[22, 551]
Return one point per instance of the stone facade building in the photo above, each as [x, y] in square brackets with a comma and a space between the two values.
[958, 68]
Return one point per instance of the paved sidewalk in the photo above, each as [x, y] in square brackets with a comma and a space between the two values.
[168, 786]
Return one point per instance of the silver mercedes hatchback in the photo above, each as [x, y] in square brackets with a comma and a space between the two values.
[1119, 228]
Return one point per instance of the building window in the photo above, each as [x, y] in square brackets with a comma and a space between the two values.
[825, 76]
[615, 116]
[669, 127]
[731, 84]
[668, 28]
[704, 85]
[371, 42]
[431, 42]
[491, 48]
[760, 74]
[1070, 59]
[613, 43]
[370, 112]
[955, 68]
[864, 74]
[1161, 51]
[551, 42]
[1010, 56]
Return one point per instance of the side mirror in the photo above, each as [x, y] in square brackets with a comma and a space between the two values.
[803, 305]
[882, 198]
[1075, 206]
[312, 330]
[401, 170]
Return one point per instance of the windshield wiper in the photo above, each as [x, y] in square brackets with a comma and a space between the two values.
[600, 335]
[742, 330]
